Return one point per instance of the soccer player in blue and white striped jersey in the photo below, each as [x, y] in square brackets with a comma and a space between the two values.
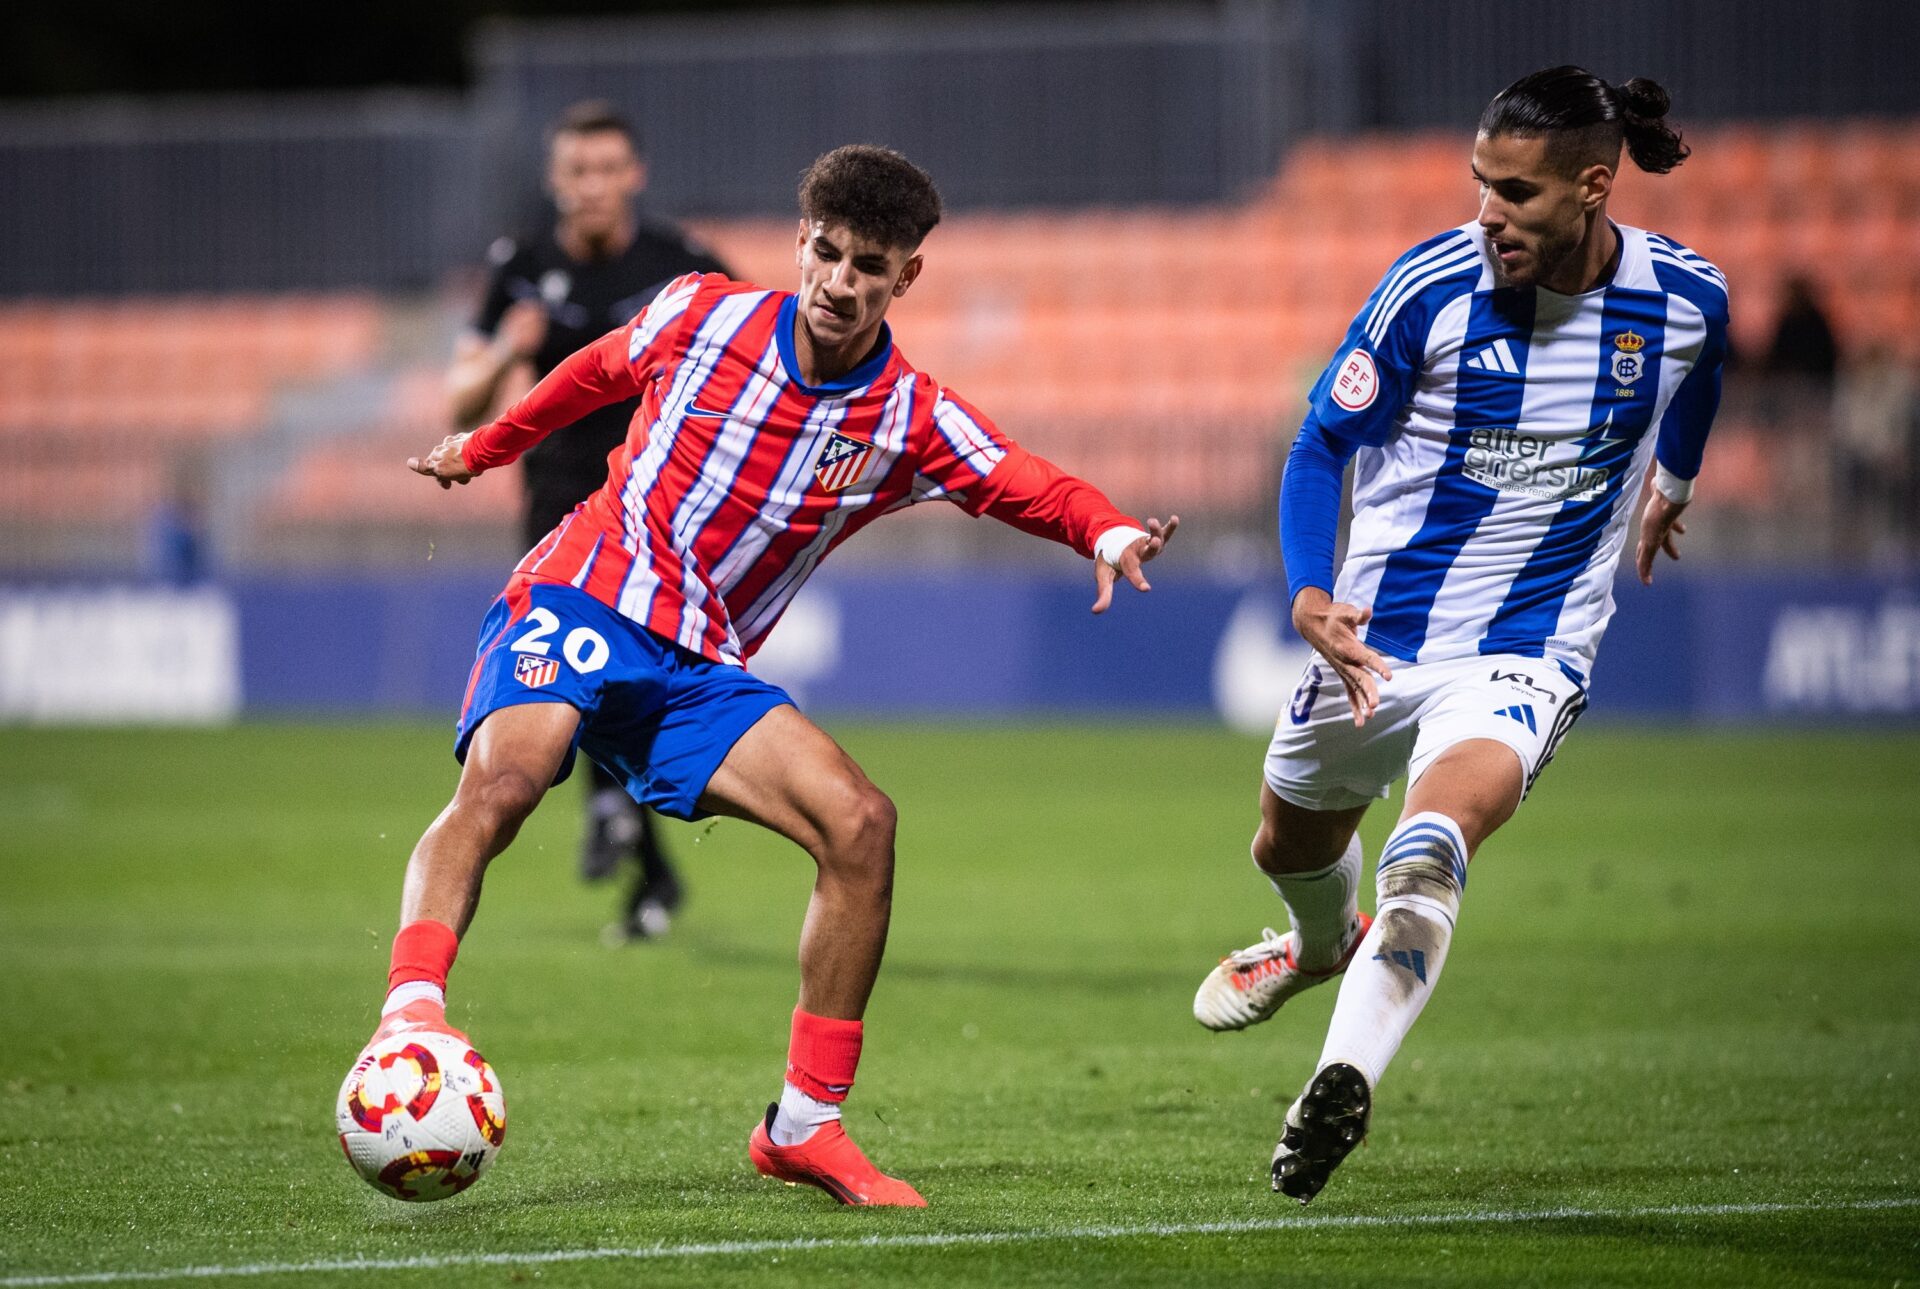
[1502, 396]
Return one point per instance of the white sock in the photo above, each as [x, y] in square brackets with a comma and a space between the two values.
[1422, 871]
[1322, 907]
[412, 992]
[800, 1116]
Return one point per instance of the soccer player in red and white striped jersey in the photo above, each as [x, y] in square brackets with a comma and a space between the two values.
[772, 426]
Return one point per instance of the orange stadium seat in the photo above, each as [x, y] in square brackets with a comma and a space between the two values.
[1866, 158]
[82, 492]
[363, 482]
[187, 366]
[1167, 350]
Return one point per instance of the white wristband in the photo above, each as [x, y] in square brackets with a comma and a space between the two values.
[1112, 544]
[1671, 486]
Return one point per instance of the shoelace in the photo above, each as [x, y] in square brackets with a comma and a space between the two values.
[1272, 945]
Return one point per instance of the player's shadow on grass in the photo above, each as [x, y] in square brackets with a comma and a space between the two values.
[635, 1190]
[1104, 979]
[633, 1209]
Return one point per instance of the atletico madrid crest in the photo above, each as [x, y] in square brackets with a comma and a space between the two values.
[841, 462]
[534, 671]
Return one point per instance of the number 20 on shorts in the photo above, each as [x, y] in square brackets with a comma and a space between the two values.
[584, 648]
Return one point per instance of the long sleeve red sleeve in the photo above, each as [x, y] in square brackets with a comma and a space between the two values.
[590, 378]
[1036, 496]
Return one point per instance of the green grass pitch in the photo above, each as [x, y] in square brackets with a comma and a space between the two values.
[1677, 1041]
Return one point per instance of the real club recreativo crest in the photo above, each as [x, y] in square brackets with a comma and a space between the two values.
[1627, 363]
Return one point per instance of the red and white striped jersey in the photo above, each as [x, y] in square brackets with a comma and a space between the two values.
[736, 478]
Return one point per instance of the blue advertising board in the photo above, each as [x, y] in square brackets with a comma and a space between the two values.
[973, 643]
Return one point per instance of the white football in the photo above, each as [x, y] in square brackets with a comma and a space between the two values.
[421, 1116]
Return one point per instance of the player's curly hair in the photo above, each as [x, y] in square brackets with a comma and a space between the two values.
[1586, 119]
[877, 193]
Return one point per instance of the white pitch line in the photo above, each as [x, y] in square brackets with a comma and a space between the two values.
[736, 1248]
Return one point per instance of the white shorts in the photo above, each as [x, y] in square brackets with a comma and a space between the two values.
[1319, 761]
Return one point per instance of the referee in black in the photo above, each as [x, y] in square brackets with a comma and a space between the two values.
[592, 271]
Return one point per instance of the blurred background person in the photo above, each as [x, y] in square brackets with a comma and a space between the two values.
[1876, 421]
[1791, 389]
[176, 550]
[548, 295]
[1803, 344]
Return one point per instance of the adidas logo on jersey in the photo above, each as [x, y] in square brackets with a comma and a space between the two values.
[1497, 357]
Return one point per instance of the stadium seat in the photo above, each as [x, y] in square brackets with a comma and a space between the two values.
[1166, 350]
[191, 366]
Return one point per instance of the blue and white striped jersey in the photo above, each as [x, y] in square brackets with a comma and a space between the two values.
[1503, 435]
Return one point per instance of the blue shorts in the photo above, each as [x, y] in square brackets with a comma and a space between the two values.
[660, 718]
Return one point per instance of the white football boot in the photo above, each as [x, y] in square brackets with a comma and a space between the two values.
[1249, 986]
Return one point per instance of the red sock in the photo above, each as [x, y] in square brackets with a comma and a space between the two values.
[823, 1055]
[423, 951]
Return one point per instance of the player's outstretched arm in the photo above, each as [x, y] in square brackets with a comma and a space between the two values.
[445, 463]
[1332, 629]
[591, 378]
[1659, 526]
[1127, 560]
[1031, 493]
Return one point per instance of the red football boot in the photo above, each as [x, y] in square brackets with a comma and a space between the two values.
[829, 1159]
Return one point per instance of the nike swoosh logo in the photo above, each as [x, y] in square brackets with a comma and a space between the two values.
[694, 409]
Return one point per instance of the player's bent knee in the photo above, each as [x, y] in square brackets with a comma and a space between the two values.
[858, 840]
[879, 819]
[863, 818]
[502, 798]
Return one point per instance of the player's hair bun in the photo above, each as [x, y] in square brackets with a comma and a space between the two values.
[1654, 145]
[1643, 100]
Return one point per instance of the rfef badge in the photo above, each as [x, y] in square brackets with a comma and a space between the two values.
[1357, 381]
[841, 462]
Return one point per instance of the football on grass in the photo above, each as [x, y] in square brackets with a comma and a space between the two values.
[421, 1116]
